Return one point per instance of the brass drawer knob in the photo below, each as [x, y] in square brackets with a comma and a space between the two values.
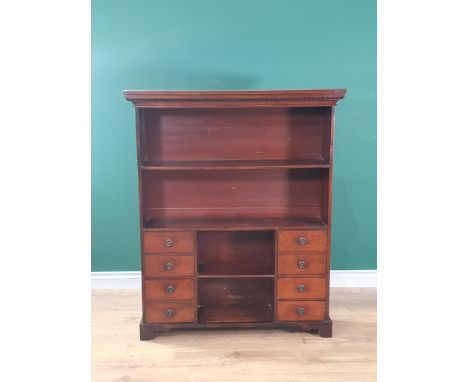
[302, 241]
[168, 243]
[168, 266]
[301, 288]
[300, 311]
[170, 313]
[301, 264]
[170, 289]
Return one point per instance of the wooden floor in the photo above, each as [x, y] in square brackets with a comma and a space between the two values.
[234, 355]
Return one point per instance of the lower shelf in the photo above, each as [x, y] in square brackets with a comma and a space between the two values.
[238, 313]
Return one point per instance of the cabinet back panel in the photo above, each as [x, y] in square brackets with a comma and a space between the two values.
[245, 291]
[256, 193]
[236, 252]
[228, 246]
[236, 134]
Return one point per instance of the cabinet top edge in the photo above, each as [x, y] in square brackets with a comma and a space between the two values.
[207, 98]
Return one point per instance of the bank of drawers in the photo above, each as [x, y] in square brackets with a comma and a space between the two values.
[301, 283]
[169, 283]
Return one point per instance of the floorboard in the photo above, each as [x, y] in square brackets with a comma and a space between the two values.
[233, 355]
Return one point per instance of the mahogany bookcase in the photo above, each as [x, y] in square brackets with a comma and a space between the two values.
[235, 207]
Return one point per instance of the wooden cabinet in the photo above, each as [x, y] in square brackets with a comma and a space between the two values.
[235, 207]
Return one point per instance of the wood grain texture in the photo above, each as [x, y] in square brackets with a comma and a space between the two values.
[156, 312]
[288, 310]
[315, 264]
[182, 265]
[169, 289]
[301, 288]
[273, 355]
[155, 242]
[313, 241]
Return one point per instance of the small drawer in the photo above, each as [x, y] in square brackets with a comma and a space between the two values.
[301, 287]
[302, 241]
[169, 289]
[300, 310]
[168, 312]
[302, 264]
[168, 242]
[169, 265]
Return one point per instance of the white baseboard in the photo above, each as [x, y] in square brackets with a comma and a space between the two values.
[131, 280]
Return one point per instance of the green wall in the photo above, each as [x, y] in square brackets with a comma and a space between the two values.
[235, 44]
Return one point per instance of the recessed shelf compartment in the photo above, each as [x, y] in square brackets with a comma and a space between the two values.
[295, 197]
[217, 314]
[275, 135]
[235, 300]
[223, 253]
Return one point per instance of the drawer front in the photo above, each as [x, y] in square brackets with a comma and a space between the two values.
[302, 241]
[300, 310]
[169, 265]
[168, 242]
[169, 289]
[302, 264]
[169, 312]
[301, 287]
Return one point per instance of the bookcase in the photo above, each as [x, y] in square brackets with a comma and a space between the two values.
[235, 207]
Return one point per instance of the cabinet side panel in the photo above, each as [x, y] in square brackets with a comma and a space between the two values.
[139, 121]
[329, 205]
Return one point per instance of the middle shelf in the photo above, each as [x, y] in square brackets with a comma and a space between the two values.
[263, 164]
[236, 269]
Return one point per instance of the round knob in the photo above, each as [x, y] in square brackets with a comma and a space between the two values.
[301, 264]
[302, 241]
[301, 288]
[170, 313]
[170, 289]
[168, 266]
[168, 243]
[300, 311]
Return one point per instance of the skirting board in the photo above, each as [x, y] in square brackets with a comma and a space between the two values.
[131, 280]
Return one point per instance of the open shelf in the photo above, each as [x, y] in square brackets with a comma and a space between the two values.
[237, 224]
[232, 165]
[235, 300]
[283, 198]
[221, 253]
[248, 313]
[179, 139]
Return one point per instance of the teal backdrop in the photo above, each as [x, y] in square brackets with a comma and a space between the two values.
[235, 44]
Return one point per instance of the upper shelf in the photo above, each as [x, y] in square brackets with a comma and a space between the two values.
[233, 165]
[233, 98]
